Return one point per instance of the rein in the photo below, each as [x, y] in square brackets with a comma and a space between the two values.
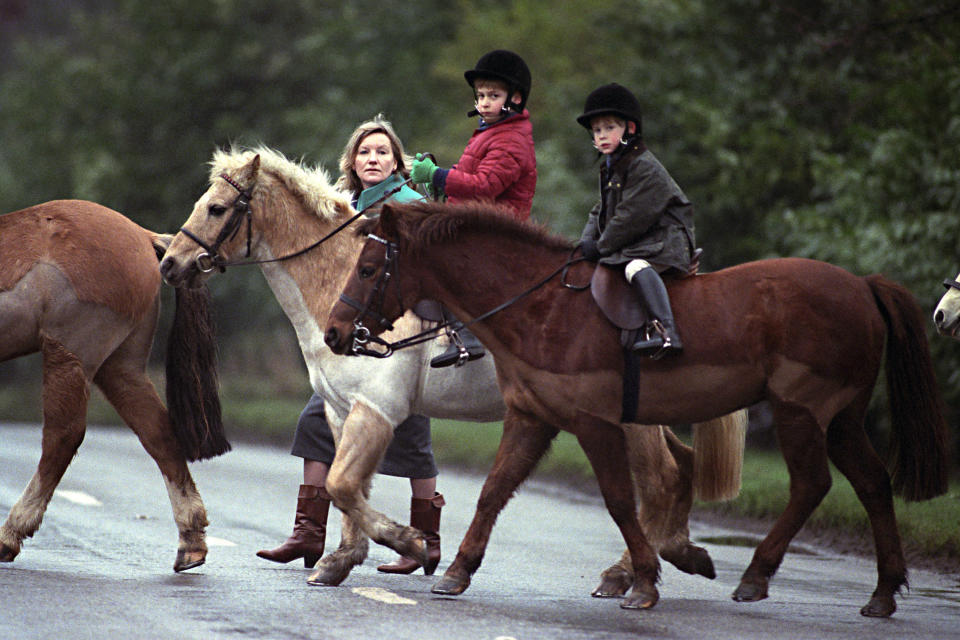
[362, 335]
[211, 259]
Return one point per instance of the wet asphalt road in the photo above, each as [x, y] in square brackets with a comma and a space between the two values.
[101, 566]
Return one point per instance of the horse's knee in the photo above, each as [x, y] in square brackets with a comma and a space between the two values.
[343, 489]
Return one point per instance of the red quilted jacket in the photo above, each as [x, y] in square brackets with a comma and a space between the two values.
[499, 164]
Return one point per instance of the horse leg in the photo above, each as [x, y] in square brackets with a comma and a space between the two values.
[604, 445]
[803, 445]
[364, 439]
[851, 451]
[662, 479]
[525, 440]
[65, 395]
[678, 550]
[124, 382]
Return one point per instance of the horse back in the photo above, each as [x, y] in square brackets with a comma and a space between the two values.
[108, 259]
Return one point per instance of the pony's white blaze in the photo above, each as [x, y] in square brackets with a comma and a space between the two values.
[946, 316]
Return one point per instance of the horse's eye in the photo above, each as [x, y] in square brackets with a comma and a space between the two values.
[366, 271]
[217, 210]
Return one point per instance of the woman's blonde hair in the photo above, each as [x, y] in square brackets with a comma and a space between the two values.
[349, 181]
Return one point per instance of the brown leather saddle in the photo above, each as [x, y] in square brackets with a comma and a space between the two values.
[620, 303]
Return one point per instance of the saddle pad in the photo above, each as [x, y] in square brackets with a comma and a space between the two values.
[616, 298]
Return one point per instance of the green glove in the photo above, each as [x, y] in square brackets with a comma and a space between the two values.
[422, 170]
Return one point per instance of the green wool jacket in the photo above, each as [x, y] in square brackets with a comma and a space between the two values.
[642, 213]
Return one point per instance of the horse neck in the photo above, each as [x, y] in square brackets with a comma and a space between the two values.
[308, 285]
[477, 272]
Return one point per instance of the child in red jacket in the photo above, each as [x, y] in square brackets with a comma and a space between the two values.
[498, 165]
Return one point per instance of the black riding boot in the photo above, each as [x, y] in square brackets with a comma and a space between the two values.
[661, 335]
[464, 346]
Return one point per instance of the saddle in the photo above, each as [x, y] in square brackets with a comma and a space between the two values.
[622, 307]
[620, 303]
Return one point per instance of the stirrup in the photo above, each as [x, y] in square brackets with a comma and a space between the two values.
[667, 345]
[463, 355]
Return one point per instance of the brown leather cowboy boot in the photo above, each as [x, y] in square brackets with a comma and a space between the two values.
[309, 529]
[424, 515]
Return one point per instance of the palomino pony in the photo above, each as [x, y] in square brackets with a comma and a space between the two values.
[947, 314]
[79, 283]
[804, 335]
[260, 207]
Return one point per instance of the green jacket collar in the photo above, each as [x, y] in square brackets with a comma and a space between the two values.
[372, 194]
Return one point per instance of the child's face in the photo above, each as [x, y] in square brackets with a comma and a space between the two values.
[607, 132]
[491, 97]
[374, 161]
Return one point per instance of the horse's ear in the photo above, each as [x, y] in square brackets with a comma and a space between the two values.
[389, 219]
[248, 174]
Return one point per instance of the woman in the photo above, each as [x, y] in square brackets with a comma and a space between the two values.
[373, 167]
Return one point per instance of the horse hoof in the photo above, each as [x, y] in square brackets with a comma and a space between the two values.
[7, 554]
[750, 592]
[693, 560]
[641, 598]
[189, 560]
[450, 586]
[879, 607]
[326, 576]
[613, 584]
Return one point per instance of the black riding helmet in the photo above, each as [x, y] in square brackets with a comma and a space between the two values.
[611, 99]
[507, 67]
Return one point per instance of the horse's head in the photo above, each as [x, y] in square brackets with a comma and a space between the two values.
[218, 230]
[372, 298]
[947, 314]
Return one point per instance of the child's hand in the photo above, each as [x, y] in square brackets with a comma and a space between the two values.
[589, 249]
[422, 170]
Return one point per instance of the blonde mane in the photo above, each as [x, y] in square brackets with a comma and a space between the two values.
[310, 184]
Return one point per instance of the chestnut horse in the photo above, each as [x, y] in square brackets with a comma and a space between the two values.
[262, 208]
[79, 283]
[806, 336]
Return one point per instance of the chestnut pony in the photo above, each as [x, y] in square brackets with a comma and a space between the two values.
[261, 208]
[806, 336]
[80, 284]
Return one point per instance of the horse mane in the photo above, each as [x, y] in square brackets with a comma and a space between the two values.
[311, 185]
[434, 222]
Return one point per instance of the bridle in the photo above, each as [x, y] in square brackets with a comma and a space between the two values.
[951, 284]
[211, 258]
[362, 336]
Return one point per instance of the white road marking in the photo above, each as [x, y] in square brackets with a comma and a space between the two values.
[382, 595]
[219, 542]
[78, 497]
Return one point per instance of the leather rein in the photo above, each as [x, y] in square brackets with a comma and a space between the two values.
[362, 335]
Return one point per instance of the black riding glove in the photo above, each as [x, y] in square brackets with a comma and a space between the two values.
[589, 249]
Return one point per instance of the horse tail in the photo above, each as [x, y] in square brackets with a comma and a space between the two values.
[918, 443]
[193, 399]
[718, 456]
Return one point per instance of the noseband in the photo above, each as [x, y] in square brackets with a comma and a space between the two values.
[211, 258]
[951, 284]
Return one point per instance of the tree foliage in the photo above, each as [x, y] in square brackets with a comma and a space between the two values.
[813, 128]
